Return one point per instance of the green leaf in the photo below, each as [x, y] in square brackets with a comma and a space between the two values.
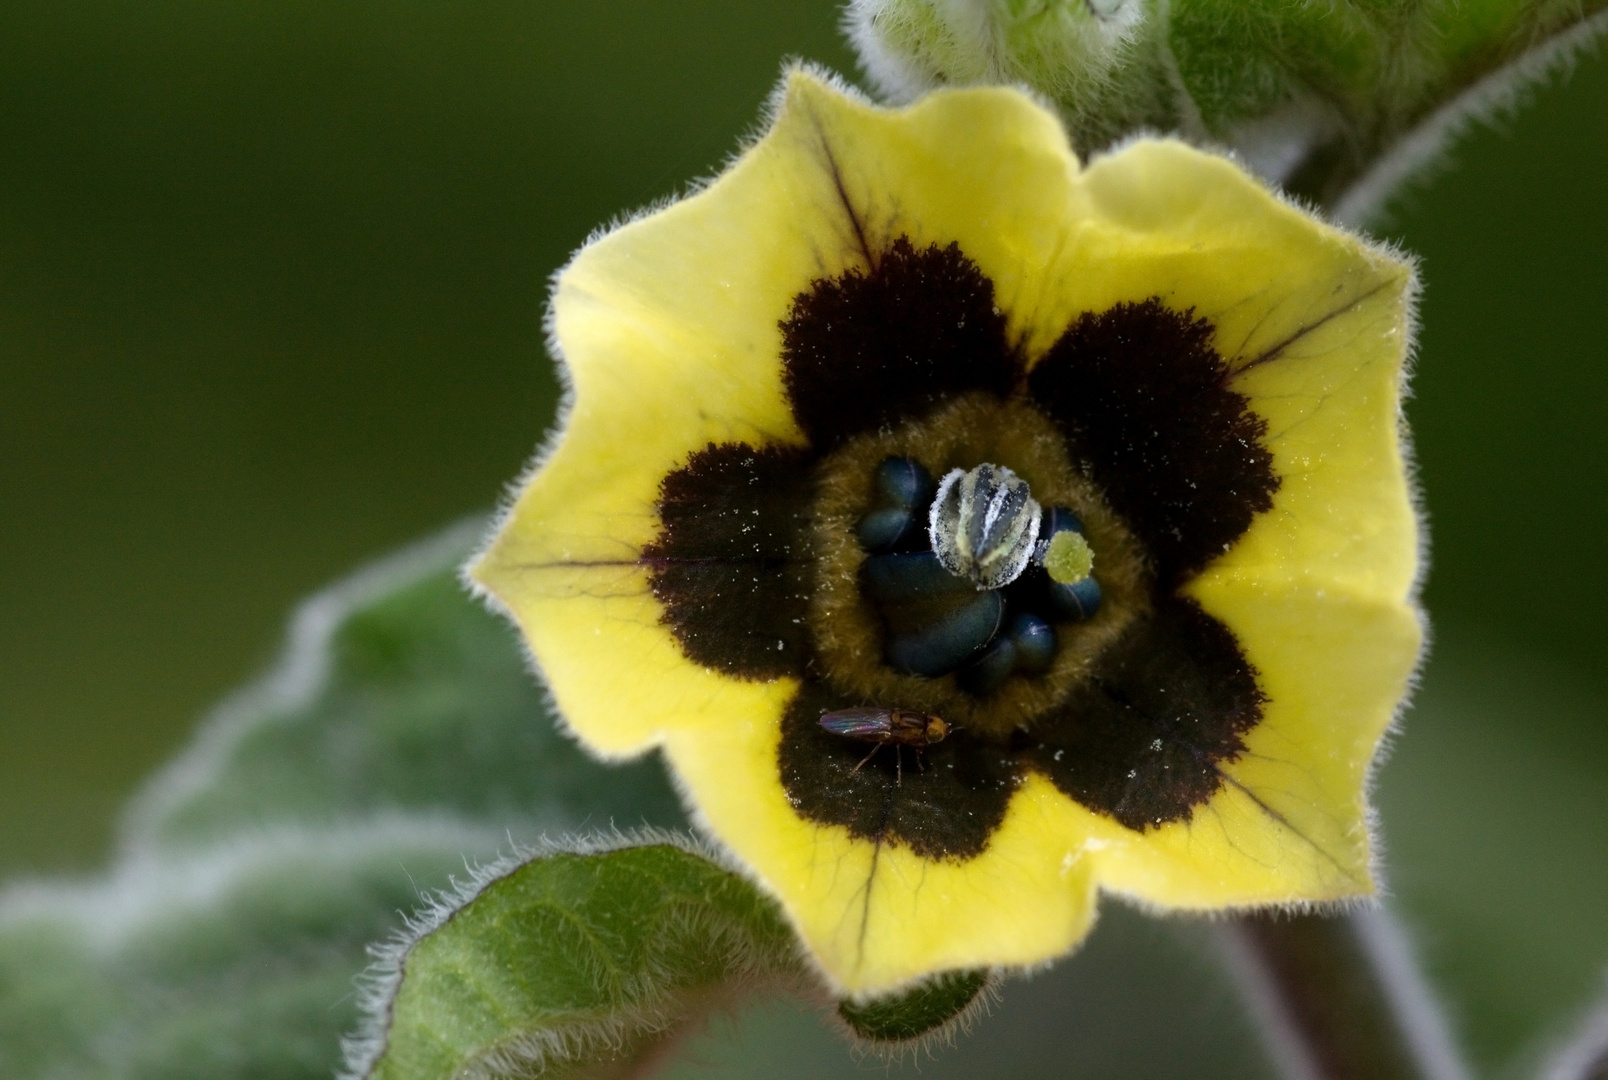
[52, 1004]
[396, 691]
[570, 963]
[1340, 102]
[589, 963]
[931, 1007]
[400, 737]
[226, 964]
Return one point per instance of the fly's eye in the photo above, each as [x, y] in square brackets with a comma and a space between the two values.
[984, 524]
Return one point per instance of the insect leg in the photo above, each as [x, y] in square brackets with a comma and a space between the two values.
[865, 759]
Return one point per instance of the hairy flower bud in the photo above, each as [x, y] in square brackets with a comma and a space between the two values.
[1066, 48]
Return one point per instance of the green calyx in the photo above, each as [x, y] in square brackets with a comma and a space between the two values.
[1052, 43]
[925, 1009]
[1336, 102]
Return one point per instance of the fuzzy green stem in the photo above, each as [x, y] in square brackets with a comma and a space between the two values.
[1340, 997]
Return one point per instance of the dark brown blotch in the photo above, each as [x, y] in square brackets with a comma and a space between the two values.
[731, 564]
[1143, 741]
[871, 348]
[1144, 399]
[942, 803]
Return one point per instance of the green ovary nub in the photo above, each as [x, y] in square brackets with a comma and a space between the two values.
[1069, 558]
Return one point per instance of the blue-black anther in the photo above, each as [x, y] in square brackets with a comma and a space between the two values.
[940, 647]
[989, 671]
[910, 577]
[887, 529]
[935, 621]
[899, 523]
[1034, 641]
[1075, 602]
[902, 481]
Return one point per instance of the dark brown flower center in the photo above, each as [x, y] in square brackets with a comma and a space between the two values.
[863, 625]
[1130, 422]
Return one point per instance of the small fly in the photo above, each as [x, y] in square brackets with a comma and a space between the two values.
[884, 727]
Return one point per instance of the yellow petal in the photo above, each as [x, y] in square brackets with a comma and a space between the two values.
[1314, 322]
[668, 329]
[876, 916]
[1291, 820]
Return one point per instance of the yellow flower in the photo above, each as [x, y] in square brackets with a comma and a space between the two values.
[736, 533]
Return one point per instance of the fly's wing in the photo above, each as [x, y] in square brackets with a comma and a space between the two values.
[865, 723]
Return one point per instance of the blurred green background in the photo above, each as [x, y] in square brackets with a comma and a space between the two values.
[271, 280]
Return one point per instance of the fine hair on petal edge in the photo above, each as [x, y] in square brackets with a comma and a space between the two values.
[532, 662]
[1415, 498]
[770, 110]
[508, 501]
